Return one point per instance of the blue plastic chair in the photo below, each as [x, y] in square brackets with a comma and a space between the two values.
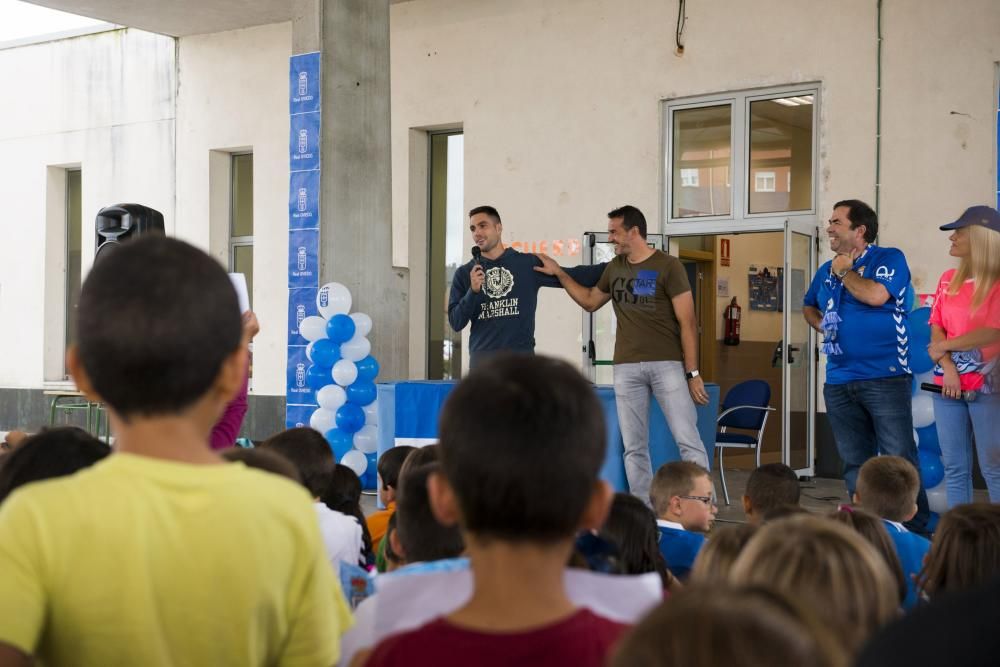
[745, 407]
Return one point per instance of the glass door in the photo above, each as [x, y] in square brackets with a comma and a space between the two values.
[799, 353]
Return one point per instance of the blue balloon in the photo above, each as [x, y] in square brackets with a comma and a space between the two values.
[367, 368]
[929, 439]
[372, 461]
[920, 338]
[340, 441]
[361, 392]
[325, 353]
[318, 377]
[339, 329]
[370, 479]
[931, 468]
[350, 418]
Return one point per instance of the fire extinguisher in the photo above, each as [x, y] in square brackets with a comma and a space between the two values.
[732, 316]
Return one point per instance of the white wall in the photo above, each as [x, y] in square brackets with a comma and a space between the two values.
[104, 103]
[560, 103]
[233, 95]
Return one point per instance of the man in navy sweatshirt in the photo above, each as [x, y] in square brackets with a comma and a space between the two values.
[498, 292]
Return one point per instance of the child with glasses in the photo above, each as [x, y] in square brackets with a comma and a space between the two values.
[683, 497]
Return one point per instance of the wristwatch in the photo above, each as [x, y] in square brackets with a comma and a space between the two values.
[841, 274]
[690, 375]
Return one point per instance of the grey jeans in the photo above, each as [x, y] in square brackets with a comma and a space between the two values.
[666, 381]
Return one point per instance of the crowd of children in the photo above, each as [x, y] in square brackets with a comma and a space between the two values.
[167, 553]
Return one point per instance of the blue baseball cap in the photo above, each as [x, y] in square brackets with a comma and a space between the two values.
[984, 216]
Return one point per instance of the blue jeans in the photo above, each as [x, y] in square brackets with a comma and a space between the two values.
[872, 417]
[956, 422]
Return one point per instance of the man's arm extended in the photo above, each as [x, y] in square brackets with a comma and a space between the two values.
[589, 298]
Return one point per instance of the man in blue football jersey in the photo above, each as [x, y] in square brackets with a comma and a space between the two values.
[859, 302]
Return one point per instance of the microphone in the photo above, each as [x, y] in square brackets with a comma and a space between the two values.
[968, 396]
[476, 253]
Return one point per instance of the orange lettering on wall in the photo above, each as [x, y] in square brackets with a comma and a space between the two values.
[554, 247]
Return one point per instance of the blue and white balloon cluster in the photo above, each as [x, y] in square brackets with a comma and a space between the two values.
[343, 375]
[925, 431]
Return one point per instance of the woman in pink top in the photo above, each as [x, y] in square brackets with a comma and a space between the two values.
[965, 343]
[224, 433]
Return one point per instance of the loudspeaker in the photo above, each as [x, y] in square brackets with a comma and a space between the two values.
[121, 222]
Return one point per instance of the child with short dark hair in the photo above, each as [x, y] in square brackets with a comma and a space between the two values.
[163, 552]
[388, 467]
[683, 498]
[546, 431]
[309, 452]
[50, 453]
[344, 495]
[770, 485]
[888, 487]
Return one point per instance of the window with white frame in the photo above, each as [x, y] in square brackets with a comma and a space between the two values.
[241, 217]
[763, 181]
[740, 143]
[689, 178]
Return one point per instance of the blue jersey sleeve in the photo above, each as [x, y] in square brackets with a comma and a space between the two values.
[890, 269]
[812, 294]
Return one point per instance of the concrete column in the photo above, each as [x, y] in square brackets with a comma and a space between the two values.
[356, 197]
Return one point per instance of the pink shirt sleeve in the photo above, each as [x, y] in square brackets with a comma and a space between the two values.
[991, 307]
[225, 432]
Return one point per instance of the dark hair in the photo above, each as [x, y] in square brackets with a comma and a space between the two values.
[965, 551]
[748, 626]
[386, 544]
[631, 217]
[546, 431]
[488, 210]
[888, 486]
[390, 463]
[52, 452]
[860, 213]
[343, 495]
[309, 453]
[631, 525]
[872, 529]
[772, 485]
[420, 535]
[156, 321]
[263, 459]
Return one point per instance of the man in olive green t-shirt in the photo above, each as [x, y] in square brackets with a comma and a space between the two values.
[656, 344]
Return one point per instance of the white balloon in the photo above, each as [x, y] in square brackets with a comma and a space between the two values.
[322, 419]
[371, 413]
[333, 299]
[366, 439]
[331, 397]
[356, 461]
[355, 349]
[362, 324]
[345, 372]
[313, 328]
[923, 411]
[937, 498]
[916, 438]
[918, 380]
[309, 350]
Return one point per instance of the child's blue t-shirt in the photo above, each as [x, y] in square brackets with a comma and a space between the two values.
[874, 340]
[679, 549]
[911, 549]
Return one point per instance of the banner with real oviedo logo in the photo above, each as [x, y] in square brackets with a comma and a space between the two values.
[304, 163]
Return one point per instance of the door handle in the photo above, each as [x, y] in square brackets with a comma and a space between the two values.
[791, 353]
